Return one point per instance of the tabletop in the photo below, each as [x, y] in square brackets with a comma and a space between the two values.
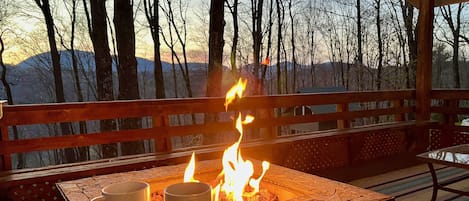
[286, 183]
[456, 156]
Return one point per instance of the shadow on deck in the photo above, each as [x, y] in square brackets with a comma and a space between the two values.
[414, 183]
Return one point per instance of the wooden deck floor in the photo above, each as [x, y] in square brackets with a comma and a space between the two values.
[414, 183]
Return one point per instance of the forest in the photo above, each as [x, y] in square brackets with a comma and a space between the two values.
[54, 51]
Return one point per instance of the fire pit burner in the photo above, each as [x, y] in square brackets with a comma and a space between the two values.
[288, 184]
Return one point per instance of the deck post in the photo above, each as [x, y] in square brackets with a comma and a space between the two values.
[5, 160]
[424, 68]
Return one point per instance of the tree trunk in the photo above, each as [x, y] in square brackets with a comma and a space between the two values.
[127, 68]
[266, 62]
[152, 15]
[380, 44]
[311, 55]
[408, 15]
[234, 13]
[58, 82]
[359, 34]
[457, 80]
[83, 152]
[256, 16]
[279, 44]
[292, 45]
[215, 57]
[455, 28]
[97, 28]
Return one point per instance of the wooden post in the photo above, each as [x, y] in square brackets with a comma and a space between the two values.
[424, 59]
[5, 160]
[424, 71]
[342, 123]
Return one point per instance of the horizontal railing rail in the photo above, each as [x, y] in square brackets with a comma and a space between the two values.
[450, 104]
[269, 112]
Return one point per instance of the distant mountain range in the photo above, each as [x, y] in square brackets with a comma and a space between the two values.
[32, 79]
[86, 61]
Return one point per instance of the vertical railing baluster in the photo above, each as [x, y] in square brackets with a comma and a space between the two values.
[452, 105]
[397, 104]
[342, 123]
[162, 143]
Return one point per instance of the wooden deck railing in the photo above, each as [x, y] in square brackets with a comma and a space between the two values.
[367, 139]
[265, 107]
[450, 107]
[385, 134]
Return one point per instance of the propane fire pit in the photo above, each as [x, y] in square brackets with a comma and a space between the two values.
[236, 179]
[286, 184]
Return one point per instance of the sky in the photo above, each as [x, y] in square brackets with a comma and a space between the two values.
[26, 25]
[29, 36]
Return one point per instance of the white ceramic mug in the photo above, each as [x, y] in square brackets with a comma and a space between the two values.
[125, 191]
[191, 191]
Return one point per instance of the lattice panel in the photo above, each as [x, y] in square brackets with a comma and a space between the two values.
[440, 139]
[435, 139]
[461, 138]
[45, 189]
[381, 144]
[314, 154]
[40, 191]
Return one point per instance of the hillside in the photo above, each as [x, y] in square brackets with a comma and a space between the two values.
[86, 61]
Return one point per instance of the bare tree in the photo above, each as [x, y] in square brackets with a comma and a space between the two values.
[170, 44]
[402, 43]
[234, 13]
[359, 34]
[280, 17]
[127, 67]
[97, 28]
[380, 44]
[266, 61]
[293, 23]
[215, 57]
[440, 59]
[359, 57]
[310, 37]
[455, 28]
[83, 152]
[57, 71]
[181, 36]
[152, 15]
[407, 11]
[256, 17]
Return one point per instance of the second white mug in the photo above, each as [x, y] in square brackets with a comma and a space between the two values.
[191, 191]
[125, 191]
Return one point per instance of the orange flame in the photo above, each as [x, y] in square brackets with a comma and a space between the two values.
[237, 171]
[190, 169]
[237, 89]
